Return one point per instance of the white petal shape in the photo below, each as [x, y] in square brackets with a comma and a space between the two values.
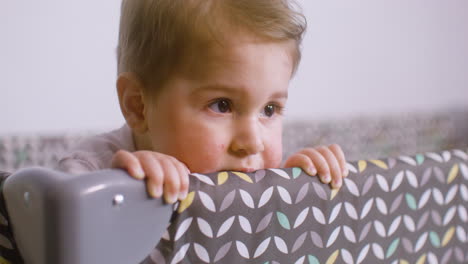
[318, 215]
[451, 194]
[333, 236]
[381, 205]
[394, 226]
[205, 227]
[242, 249]
[245, 224]
[226, 226]
[351, 168]
[420, 242]
[367, 208]
[201, 252]
[180, 255]
[351, 211]
[300, 260]
[363, 254]
[378, 251]
[461, 154]
[424, 198]
[222, 252]
[461, 234]
[449, 215]
[247, 199]
[281, 245]
[349, 234]
[183, 228]
[203, 178]
[462, 213]
[413, 181]
[301, 217]
[207, 201]
[397, 181]
[408, 160]
[409, 223]
[382, 182]
[266, 195]
[346, 256]
[446, 155]
[334, 213]
[431, 258]
[438, 197]
[284, 194]
[379, 228]
[353, 189]
[435, 156]
[281, 173]
[262, 247]
[464, 170]
[464, 192]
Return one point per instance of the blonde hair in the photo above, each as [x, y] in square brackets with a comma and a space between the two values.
[155, 35]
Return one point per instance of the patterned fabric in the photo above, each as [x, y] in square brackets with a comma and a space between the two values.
[410, 209]
[8, 250]
[360, 138]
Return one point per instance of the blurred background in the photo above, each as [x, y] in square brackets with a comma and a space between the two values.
[360, 58]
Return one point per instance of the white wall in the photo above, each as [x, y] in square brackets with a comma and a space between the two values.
[57, 61]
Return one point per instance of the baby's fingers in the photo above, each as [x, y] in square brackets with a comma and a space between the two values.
[126, 160]
[302, 161]
[319, 162]
[154, 175]
[171, 181]
[339, 155]
[334, 166]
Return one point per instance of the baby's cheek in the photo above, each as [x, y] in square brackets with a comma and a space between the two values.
[273, 156]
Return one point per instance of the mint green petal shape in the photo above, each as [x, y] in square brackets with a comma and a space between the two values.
[435, 240]
[419, 159]
[283, 220]
[411, 201]
[392, 248]
[296, 172]
[313, 260]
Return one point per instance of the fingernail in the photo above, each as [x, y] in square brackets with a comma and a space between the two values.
[337, 183]
[345, 172]
[312, 170]
[326, 178]
[183, 195]
[139, 174]
[170, 198]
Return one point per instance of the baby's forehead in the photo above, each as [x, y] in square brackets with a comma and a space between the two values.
[210, 58]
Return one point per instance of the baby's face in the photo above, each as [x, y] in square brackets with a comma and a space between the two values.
[224, 110]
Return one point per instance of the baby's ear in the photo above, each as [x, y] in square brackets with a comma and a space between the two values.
[132, 105]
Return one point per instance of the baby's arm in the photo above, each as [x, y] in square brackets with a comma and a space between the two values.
[159, 170]
[329, 162]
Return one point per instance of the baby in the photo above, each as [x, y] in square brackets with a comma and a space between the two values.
[203, 85]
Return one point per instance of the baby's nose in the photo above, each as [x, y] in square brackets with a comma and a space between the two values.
[248, 140]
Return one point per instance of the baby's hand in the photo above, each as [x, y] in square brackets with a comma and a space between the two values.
[160, 171]
[329, 162]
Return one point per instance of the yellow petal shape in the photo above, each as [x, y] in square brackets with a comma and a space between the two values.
[186, 202]
[4, 261]
[333, 257]
[334, 192]
[453, 173]
[448, 235]
[380, 164]
[421, 259]
[402, 261]
[362, 164]
[222, 177]
[243, 176]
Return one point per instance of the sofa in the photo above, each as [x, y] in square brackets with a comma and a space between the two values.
[405, 201]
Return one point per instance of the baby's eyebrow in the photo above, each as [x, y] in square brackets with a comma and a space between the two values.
[234, 90]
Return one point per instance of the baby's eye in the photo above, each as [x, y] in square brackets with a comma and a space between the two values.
[271, 109]
[221, 106]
